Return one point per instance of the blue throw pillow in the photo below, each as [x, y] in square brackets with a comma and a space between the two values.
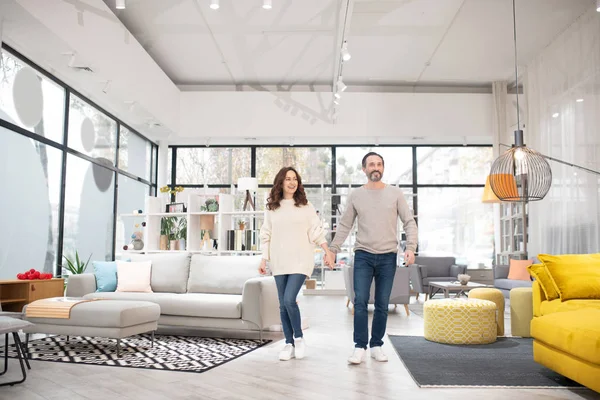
[106, 275]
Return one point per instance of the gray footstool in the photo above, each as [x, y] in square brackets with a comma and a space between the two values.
[114, 319]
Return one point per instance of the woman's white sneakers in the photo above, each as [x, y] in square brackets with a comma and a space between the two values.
[300, 348]
[297, 350]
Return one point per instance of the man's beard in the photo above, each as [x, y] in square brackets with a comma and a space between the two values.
[375, 176]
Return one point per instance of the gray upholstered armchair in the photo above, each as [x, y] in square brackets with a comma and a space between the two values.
[400, 290]
[433, 269]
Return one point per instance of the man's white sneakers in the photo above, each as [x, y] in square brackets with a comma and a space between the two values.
[300, 348]
[357, 356]
[287, 353]
[378, 354]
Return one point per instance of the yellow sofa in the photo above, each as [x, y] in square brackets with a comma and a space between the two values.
[566, 329]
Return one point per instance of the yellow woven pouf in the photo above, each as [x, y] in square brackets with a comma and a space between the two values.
[497, 297]
[521, 311]
[460, 321]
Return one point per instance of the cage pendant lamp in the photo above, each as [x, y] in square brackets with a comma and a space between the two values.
[521, 174]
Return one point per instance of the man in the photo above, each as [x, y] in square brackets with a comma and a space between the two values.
[377, 207]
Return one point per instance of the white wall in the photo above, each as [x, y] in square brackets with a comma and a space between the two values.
[305, 117]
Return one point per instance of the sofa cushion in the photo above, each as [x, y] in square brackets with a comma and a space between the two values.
[518, 270]
[170, 272]
[133, 276]
[508, 284]
[223, 275]
[105, 273]
[556, 305]
[575, 332]
[577, 276]
[540, 273]
[184, 304]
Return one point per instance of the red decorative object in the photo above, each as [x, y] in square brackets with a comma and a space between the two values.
[32, 274]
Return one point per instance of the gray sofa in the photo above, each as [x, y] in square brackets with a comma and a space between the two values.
[502, 282]
[216, 292]
[400, 291]
[433, 269]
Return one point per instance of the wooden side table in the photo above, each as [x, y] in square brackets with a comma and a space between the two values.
[15, 294]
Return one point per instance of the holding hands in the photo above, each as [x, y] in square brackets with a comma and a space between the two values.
[329, 259]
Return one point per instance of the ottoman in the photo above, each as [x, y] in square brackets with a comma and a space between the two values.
[114, 319]
[521, 311]
[497, 297]
[460, 321]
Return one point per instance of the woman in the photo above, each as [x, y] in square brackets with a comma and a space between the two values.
[288, 236]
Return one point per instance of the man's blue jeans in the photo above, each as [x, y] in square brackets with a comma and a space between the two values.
[367, 266]
[288, 287]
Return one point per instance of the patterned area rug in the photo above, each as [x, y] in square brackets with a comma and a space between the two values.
[170, 353]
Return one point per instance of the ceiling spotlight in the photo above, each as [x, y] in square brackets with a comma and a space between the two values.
[340, 85]
[214, 4]
[337, 95]
[120, 4]
[345, 54]
[336, 102]
[555, 115]
[579, 100]
[267, 4]
[598, 5]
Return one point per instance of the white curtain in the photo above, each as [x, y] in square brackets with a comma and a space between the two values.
[562, 88]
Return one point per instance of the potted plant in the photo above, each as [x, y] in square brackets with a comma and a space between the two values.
[182, 232]
[74, 266]
[167, 229]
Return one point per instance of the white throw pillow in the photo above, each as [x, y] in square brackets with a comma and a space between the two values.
[134, 276]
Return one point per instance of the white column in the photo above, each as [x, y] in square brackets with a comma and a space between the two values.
[499, 132]
[163, 159]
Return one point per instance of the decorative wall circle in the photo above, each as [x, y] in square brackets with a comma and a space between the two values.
[88, 134]
[102, 177]
[28, 97]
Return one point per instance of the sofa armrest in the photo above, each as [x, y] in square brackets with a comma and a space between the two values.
[457, 269]
[417, 273]
[80, 285]
[501, 271]
[260, 303]
[538, 297]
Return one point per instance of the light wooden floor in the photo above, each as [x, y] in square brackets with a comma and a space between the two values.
[323, 375]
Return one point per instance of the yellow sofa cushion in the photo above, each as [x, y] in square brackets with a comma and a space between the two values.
[556, 305]
[576, 276]
[576, 333]
[540, 273]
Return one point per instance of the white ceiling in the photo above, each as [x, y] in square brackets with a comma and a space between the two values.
[394, 42]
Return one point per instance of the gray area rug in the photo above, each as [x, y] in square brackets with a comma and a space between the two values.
[506, 363]
[170, 353]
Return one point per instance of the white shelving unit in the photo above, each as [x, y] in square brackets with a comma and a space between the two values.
[225, 219]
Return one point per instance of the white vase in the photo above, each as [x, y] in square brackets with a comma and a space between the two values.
[181, 244]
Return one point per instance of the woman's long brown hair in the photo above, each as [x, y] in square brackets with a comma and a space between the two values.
[276, 195]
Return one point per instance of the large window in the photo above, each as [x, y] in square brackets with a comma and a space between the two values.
[453, 165]
[30, 176]
[398, 164]
[91, 132]
[135, 154]
[30, 100]
[89, 213]
[445, 196]
[312, 163]
[454, 222]
[221, 166]
[44, 217]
